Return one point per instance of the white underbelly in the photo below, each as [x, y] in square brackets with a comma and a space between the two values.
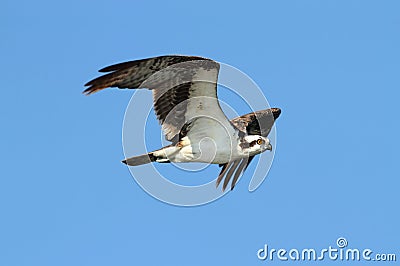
[209, 140]
[206, 151]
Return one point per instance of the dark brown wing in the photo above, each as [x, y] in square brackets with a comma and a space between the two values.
[132, 74]
[235, 167]
[173, 80]
[257, 123]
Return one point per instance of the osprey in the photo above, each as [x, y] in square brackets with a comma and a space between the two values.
[186, 104]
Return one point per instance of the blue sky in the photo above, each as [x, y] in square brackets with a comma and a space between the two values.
[331, 66]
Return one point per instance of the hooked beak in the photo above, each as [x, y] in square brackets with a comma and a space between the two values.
[269, 147]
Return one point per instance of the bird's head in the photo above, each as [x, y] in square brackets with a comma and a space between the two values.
[255, 144]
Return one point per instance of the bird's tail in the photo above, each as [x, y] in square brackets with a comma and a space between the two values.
[160, 156]
[141, 159]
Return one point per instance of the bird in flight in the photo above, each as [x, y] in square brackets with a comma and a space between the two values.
[185, 101]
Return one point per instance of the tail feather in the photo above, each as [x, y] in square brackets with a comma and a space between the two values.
[139, 160]
[161, 156]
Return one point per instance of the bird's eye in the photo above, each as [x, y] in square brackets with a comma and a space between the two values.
[259, 141]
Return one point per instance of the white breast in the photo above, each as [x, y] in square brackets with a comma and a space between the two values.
[208, 141]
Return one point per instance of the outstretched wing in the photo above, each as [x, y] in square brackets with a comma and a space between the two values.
[257, 123]
[184, 88]
[235, 167]
[132, 74]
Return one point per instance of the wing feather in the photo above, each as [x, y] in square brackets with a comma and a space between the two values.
[174, 80]
[257, 123]
[230, 173]
[233, 167]
[132, 74]
[221, 175]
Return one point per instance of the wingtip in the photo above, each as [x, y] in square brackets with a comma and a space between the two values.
[86, 92]
[92, 90]
[109, 68]
[224, 186]
[276, 112]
